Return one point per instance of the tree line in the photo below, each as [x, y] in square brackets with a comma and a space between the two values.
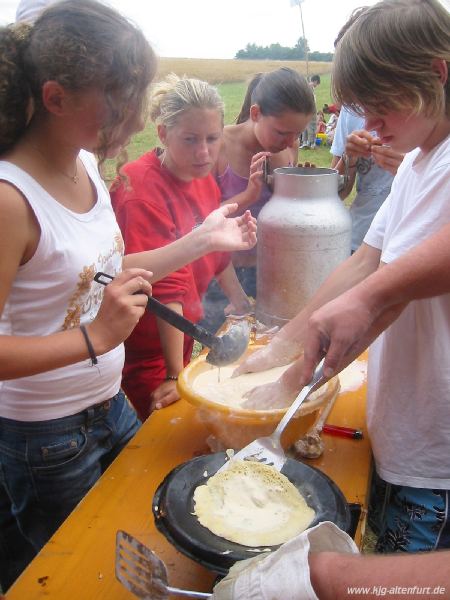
[278, 52]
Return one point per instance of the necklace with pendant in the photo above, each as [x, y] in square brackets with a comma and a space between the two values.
[74, 178]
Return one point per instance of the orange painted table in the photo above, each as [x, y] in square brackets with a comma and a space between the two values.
[78, 562]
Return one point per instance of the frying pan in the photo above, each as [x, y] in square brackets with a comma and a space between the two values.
[173, 508]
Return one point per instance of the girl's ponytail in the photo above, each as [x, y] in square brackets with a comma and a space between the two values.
[244, 113]
[16, 103]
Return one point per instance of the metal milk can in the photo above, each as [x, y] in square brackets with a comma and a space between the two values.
[304, 233]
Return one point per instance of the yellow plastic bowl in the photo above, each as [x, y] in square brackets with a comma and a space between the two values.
[236, 427]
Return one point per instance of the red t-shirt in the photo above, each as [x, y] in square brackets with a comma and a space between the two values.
[154, 208]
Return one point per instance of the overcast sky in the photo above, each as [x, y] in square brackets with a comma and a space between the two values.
[218, 29]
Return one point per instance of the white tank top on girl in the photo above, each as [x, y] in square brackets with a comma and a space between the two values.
[54, 291]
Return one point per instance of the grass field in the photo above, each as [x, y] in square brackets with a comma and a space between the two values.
[231, 78]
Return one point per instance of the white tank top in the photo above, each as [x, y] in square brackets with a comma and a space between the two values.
[54, 291]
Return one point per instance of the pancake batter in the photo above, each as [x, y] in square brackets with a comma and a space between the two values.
[252, 504]
[231, 391]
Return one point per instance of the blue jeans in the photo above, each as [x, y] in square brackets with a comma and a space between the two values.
[46, 468]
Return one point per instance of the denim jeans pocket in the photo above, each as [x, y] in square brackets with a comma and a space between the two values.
[53, 452]
[63, 468]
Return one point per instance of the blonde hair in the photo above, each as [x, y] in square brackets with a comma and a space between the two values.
[384, 59]
[174, 95]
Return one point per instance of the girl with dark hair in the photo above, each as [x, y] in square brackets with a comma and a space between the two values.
[72, 84]
[276, 109]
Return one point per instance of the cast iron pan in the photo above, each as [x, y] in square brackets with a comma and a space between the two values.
[173, 508]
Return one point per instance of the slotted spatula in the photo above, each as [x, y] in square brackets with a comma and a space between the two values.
[268, 449]
[143, 573]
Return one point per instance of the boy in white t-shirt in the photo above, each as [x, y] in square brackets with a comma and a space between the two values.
[402, 48]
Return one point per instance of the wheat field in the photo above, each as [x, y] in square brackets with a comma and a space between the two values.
[230, 70]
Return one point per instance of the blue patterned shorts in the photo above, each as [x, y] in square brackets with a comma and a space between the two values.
[409, 519]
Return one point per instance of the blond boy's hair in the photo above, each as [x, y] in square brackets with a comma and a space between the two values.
[384, 61]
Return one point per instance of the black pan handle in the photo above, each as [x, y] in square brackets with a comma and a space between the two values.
[197, 332]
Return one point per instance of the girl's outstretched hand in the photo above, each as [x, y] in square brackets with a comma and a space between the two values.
[122, 306]
[229, 233]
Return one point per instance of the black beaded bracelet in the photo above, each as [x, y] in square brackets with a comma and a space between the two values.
[89, 345]
[171, 378]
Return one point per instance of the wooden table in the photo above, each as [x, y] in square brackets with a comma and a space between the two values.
[78, 562]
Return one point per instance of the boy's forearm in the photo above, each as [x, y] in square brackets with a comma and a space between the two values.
[423, 272]
[339, 576]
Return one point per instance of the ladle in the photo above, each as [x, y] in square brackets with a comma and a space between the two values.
[224, 349]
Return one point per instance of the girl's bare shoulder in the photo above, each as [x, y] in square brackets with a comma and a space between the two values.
[19, 230]
[232, 133]
[230, 144]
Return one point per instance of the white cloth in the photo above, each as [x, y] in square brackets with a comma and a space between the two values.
[54, 291]
[284, 573]
[373, 183]
[331, 124]
[408, 408]
[29, 10]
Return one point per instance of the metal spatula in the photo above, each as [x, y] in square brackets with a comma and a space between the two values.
[268, 449]
[143, 573]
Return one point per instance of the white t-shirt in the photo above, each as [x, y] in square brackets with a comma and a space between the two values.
[409, 364]
[54, 291]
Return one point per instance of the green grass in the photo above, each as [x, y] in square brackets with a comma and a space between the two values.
[233, 94]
